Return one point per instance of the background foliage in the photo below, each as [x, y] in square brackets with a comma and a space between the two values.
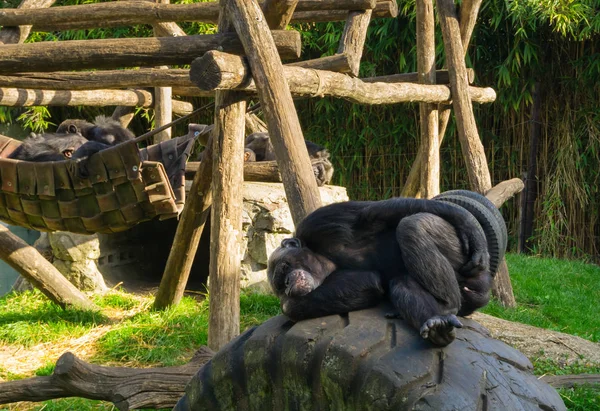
[516, 43]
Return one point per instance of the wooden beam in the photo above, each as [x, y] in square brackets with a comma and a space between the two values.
[501, 192]
[217, 70]
[472, 149]
[573, 380]
[353, 38]
[274, 94]
[127, 13]
[124, 115]
[28, 262]
[254, 124]
[17, 34]
[14, 97]
[384, 9]
[430, 159]
[261, 171]
[339, 63]
[129, 52]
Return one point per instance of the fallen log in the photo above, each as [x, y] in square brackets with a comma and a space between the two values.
[129, 52]
[262, 171]
[216, 70]
[127, 388]
[572, 380]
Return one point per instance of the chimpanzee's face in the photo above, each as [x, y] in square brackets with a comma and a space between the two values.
[294, 270]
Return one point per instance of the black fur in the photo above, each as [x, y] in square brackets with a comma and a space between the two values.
[429, 258]
[104, 130]
[54, 147]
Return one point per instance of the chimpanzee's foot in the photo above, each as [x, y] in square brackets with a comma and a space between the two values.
[439, 330]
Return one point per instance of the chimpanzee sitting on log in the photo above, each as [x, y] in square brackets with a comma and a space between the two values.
[430, 258]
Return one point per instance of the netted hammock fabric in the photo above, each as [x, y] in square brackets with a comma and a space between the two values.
[125, 186]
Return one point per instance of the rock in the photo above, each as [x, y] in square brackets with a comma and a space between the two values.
[74, 247]
[82, 274]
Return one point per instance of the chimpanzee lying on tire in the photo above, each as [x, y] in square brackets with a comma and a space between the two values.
[429, 257]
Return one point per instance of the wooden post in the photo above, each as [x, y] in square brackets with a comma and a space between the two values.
[430, 174]
[226, 215]
[124, 115]
[468, 15]
[28, 262]
[276, 100]
[353, 38]
[187, 237]
[472, 149]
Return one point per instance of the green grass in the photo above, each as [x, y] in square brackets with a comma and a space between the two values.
[555, 294]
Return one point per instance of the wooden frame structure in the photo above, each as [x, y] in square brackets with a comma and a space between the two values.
[244, 58]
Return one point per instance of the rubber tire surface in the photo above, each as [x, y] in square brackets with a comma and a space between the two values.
[484, 201]
[364, 361]
[495, 232]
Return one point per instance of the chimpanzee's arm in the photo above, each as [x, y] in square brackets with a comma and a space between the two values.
[343, 291]
[391, 211]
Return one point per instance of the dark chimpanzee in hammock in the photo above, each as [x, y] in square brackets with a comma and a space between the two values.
[56, 147]
[260, 144]
[104, 130]
[430, 258]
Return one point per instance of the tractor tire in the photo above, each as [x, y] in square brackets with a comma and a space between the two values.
[484, 201]
[495, 229]
[363, 361]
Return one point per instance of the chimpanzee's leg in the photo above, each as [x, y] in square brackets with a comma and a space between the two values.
[341, 292]
[429, 296]
[434, 320]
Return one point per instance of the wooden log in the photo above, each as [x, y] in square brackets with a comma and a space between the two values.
[573, 380]
[430, 160]
[217, 70]
[472, 149]
[127, 13]
[279, 12]
[384, 9]
[28, 262]
[353, 38]
[17, 34]
[275, 97]
[505, 190]
[128, 52]
[127, 388]
[187, 236]
[13, 97]
[441, 77]
[254, 124]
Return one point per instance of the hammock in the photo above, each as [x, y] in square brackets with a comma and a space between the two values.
[126, 186]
